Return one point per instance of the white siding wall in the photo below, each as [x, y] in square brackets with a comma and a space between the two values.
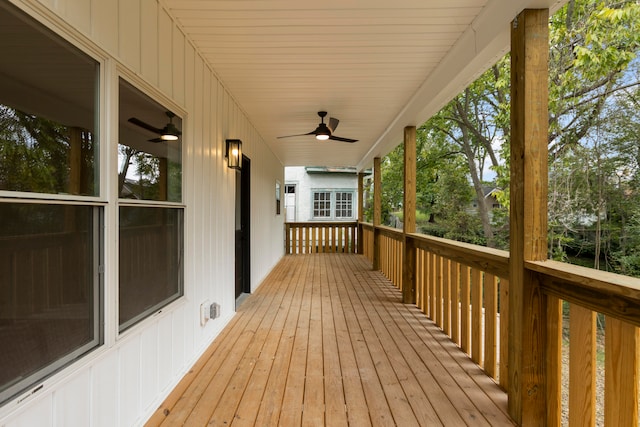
[124, 381]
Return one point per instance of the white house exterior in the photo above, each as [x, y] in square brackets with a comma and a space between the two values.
[320, 194]
[118, 372]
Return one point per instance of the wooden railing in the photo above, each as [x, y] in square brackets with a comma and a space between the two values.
[320, 237]
[366, 234]
[464, 289]
[391, 254]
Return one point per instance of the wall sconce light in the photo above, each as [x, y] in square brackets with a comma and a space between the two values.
[234, 154]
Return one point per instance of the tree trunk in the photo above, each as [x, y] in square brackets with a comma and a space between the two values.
[483, 210]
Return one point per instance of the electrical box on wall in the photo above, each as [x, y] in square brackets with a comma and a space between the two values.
[214, 311]
[204, 312]
[208, 311]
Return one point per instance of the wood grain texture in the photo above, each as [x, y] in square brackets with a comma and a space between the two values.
[409, 193]
[326, 341]
[504, 333]
[582, 366]
[528, 214]
[455, 302]
[554, 362]
[477, 317]
[622, 348]
[490, 326]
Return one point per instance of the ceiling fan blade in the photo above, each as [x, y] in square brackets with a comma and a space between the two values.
[144, 125]
[333, 124]
[338, 138]
[299, 134]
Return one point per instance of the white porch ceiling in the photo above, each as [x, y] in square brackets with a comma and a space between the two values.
[377, 65]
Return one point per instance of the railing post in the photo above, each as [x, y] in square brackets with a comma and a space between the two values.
[528, 393]
[377, 212]
[409, 216]
[287, 238]
[358, 236]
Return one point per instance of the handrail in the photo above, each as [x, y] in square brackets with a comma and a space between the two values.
[492, 261]
[608, 293]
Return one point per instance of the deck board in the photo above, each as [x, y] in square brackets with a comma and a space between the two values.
[326, 341]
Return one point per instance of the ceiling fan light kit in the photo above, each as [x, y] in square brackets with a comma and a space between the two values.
[168, 133]
[324, 132]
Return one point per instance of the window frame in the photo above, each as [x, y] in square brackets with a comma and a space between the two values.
[153, 95]
[333, 204]
[325, 207]
[97, 202]
[343, 208]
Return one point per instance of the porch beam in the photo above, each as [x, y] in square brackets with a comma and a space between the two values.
[377, 211]
[409, 216]
[528, 393]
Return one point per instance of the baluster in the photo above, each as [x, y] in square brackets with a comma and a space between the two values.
[455, 302]
[446, 296]
[476, 316]
[490, 315]
[465, 337]
[621, 373]
[504, 333]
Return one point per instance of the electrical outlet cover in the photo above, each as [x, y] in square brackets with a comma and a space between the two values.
[205, 312]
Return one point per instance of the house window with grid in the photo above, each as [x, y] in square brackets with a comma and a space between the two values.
[322, 204]
[344, 205]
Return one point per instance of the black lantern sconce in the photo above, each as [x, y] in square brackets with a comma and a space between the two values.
[234, 154]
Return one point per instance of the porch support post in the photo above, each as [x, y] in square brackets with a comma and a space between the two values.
[377, 212]
[528, 394]
[360, 211]
[409, 216]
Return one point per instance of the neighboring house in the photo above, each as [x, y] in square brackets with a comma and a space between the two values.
[489, 198]
[320, 194]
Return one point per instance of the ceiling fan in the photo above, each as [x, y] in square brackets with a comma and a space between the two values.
[324, 131]
[168, 133]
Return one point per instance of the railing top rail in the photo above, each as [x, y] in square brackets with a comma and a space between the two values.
[394, 233]
[609, 293]
[491, 260]
[321, 223]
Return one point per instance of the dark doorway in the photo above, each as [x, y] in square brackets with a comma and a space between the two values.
[243, 205]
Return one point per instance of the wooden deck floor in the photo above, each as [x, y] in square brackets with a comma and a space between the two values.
[326, 341]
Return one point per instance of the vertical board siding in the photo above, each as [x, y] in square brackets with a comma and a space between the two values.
[164, 345]
[123, 382]
[149, 366]
[129, 33]
[78, 13]
[165, 52]
[149, 40]
[104, 19]
[104, 406]
[72, 403]
[178, 56]
[129, 381]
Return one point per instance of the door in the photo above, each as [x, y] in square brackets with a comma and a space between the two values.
[243, 199]
[290, 202]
